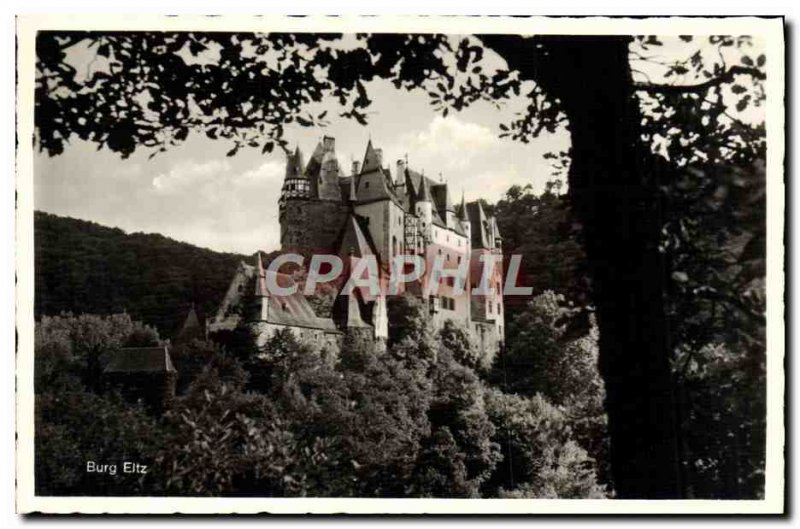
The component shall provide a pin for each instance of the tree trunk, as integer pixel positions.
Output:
(613, 189)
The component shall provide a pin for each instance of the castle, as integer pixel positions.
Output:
(376, 211)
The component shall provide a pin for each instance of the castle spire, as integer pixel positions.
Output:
(462, 212)
(372, 159)
(353, 197)
(294, 164)
(424, 193)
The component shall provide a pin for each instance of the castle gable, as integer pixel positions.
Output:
(356, 239)
(293, 310)
(480, 226)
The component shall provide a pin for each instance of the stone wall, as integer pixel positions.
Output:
(325, 342)
(312, 226)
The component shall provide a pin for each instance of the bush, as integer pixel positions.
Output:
(541, 459)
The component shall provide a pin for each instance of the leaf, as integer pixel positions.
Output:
(738, 89)
(686, 38)
(680, 277)
(761, 61)
(104, 50)
(195, 48)
(747, 60)
(742, 104)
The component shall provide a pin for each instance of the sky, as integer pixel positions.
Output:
(195, 193)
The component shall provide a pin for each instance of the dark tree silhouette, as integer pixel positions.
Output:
(152, 89)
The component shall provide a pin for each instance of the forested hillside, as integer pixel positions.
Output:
(83, 267)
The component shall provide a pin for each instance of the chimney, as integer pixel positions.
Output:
(328, 143)
(379, 155)
(401, 168)
(356, 168)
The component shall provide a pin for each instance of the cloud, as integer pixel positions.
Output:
(216, 174)
(450, 143)
(189, 173)
(213, 204)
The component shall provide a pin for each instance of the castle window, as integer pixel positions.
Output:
(459, 259)
(498, 308)
(366, 185)
(490, 308)
(448, 257)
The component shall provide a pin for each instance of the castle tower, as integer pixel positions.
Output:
(311, 209)
(296, 190)
(295, 183)
(424, 206)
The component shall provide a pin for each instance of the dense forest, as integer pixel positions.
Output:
(665, 245)
(425, 418)
(418, 420)
(83, 267)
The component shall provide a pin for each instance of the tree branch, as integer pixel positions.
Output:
(727, 77)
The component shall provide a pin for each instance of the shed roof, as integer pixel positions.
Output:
(140, 360)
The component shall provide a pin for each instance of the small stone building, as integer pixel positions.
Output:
(142, 374)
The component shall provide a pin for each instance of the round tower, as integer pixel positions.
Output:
(424, 207)
(295, 194)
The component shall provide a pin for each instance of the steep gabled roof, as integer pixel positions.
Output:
(480, 225)
(356, 239)
(293, 310)
(373, 186)
(140, 360)
(191, 329)
(372, 161)
(441, 198)
(315, 162)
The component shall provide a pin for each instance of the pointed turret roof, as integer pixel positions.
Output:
(424, 194)
(353, 196)
(294, 164)
(191, 328)
(372, 161)
(315, 162)
(462, 208)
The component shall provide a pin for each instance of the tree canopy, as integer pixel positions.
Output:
(641, 146)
